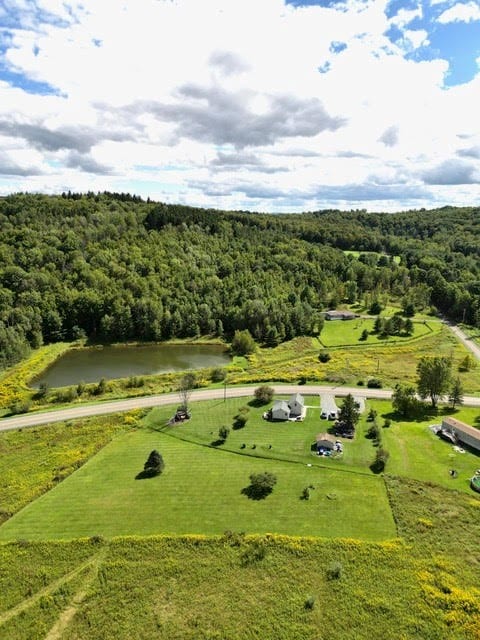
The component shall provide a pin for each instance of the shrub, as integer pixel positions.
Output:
(372, 414)
(255, 552)
(381, 458)
(21, 406)
(305, 494)
(100, 388)
(334, 571)
(364, 335)
(218, 374)
(309, 603)
(324, 356)
(264, 394)
(387, 423)
(243, 343)
(261, 485)
(239, 421)
(153, 466)
(223, 433)
(374, 383)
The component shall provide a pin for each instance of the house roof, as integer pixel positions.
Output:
(297, 397)
(461, 427)
(282, 405)
(339, 313)
(325, 436)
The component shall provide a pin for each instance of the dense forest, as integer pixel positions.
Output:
(113, 267)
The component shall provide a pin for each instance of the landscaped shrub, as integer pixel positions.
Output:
(381, 458)
(374, 383)
(264, 394)
(239, 421)
(153, 466)
(223, 433)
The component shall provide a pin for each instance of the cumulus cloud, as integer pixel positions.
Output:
(234, 119)
(212, 114)
(228, 62)
(390, 136)
(9, 167)
(452, 172)
(460, 12)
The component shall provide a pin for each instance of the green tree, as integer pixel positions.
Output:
(261, 485)
(243, 343)
(154, 464)
(264, 394)
(434, 375)
(185, 387)
(456, 393)
(408, 326)
(349, 413)
(404, 400)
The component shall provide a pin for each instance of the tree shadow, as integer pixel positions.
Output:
(255, 402)
(256, 493)
(146, 474)
(217, 442)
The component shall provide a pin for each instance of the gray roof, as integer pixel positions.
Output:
(297, 397)
(281, 404)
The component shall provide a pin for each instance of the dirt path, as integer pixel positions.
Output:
(51, 588)
(67, 615)
(464, 339)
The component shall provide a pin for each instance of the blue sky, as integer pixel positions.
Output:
(278, 105)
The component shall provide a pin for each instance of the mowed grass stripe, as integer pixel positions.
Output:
(200, 492)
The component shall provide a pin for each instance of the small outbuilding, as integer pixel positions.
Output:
(459, 432)
(280, 410)
(325, 442)
(336, 314)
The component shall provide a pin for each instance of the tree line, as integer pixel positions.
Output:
(113, 267)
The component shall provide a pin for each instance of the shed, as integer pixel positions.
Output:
(336, 314)
(325, 442)
(463, 433)
(280, 410)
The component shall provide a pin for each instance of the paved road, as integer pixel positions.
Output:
(114, 406)
(465, 340)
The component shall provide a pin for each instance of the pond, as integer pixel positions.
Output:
(92, 364)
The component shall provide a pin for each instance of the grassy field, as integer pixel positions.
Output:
(340, 333)
(200, 491)
(245, 588)
(33, 461)
(415, 452)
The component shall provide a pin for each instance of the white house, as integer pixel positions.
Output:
(280, 410)
(297, 405)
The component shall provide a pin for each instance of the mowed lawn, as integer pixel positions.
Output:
(200, 491)
(416, 452)
(339, 333)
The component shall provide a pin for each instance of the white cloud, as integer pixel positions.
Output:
(461, 12)
(220, 103)
(405, 16)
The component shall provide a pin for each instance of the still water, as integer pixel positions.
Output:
(90, 365)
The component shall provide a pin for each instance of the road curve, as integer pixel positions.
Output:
(464, 339)
(129, 404)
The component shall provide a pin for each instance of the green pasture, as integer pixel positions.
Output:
(342, 333)
(200, 491)
(416, 452)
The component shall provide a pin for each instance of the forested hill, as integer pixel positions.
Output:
(113, 267)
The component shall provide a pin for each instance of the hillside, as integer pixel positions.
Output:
(113, 268)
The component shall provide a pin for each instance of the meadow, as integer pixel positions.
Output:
(249, 587)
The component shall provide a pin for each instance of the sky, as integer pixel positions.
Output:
(260, 105)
